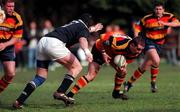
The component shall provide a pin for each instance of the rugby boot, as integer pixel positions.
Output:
(64, 98)
(153, 87)
(127, 86)
(119, 95)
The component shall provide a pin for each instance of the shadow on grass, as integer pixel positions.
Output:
(34, 106)
(5, 106)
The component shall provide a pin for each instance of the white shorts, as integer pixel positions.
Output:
(51, 49)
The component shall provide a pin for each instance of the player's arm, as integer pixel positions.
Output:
(137, 28)
(105, 46)
(119, 69)
(84, 45)
(96, 27)
(171, 24)
(8, 43)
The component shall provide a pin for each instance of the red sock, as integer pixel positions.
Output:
(118, 81)
(4, 82)
(80, 84)
(137, 74)
(154, 72)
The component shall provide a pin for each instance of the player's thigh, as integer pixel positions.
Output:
(70, 62)
(9, 67)
(153, 55)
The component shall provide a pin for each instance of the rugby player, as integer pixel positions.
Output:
(11, 30)
(153, 28)
(103, 51)
(54, 46)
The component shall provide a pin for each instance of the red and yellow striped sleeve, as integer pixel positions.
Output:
(18, 31)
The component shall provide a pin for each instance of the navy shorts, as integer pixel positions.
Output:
(97, 56)
(150, 44)
(8, 54)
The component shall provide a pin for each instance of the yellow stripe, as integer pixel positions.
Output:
(154, 37)
(20, 22)
(119, 47)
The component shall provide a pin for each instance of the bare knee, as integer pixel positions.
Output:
(156, 62)
(10, 73)
(91, 76)
(75, 70)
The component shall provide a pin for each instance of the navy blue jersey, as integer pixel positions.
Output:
(70, 33)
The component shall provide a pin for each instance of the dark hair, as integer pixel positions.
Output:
(87, 19)
(138, 41)
(158, 3)
(5, 1)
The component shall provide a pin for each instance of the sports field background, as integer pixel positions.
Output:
(96, 97)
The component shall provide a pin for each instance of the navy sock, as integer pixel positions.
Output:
(30, 87)
(66, 83)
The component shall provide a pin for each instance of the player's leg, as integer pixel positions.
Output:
(74, 68)
(43, 61)
(118, 81)
(138, 72)
(39, 79)
(7, 58)
(93, 69)
(85, 79)
(154, 68)
(9, 73)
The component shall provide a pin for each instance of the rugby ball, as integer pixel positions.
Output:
(2, 16)
(120, 60)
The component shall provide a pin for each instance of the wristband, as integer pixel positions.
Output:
(87, 51)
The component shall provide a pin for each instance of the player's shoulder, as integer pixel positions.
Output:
(168, 14)
(18, 18)
(17, 15)
(147, 16)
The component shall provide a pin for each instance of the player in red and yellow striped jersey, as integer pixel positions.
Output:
(104, 50)
(153, 28)
(10, 32)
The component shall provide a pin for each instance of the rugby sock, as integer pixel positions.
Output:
(118, 81)
(66, 83)
(137, 74)
(80, 84)
(4, 82)
(30, 87)
(154, 72)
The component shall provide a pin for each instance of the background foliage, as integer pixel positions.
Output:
(121, 12)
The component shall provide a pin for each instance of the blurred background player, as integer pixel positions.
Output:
(54, 46)
(10, 32)
(104, 51)
(153, 31)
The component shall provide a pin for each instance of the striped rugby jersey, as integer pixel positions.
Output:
(12, 27)
(117, 44)
(151, 29)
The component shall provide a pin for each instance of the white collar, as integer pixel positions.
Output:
(83, 23)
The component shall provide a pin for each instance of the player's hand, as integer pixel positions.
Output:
(88, 55)
(106, 58)
(162, 23)
(2, 46)
(96, 28)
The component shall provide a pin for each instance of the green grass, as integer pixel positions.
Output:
(96, 97)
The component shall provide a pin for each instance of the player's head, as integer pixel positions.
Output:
(158, 9)
(137, 45)
(87, 19)
(9, 6)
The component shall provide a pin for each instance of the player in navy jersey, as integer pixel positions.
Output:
(54, 46)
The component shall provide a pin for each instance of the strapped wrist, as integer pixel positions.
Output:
(87, 51)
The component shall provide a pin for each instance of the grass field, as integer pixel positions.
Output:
(96, 97)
